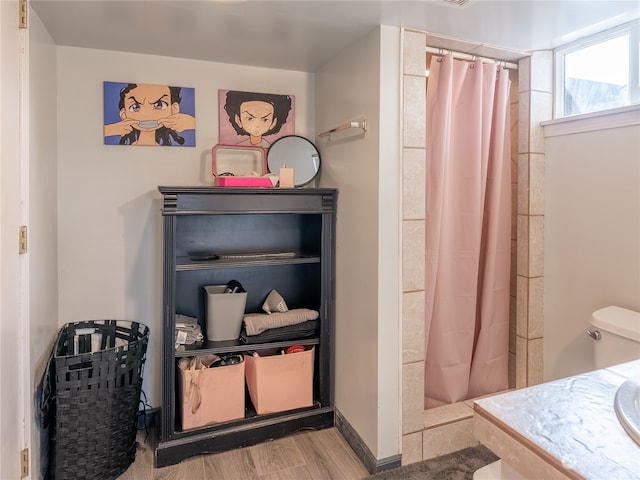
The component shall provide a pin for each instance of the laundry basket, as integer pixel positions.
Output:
(95, 379)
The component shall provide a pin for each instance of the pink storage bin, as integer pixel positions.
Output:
(280, 382)
(210, 395)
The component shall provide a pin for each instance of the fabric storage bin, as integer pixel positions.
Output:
(91, 398)
(225, 312)
(210, 395)
(280, 382)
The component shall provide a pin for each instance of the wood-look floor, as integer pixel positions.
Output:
(317, 455)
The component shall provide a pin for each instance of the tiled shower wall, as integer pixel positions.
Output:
(535, 106)
(527, 160)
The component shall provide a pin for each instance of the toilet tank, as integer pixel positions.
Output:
(616, 336)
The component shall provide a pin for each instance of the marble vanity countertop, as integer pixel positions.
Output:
(562, 429)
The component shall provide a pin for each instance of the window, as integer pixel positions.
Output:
(599, 72)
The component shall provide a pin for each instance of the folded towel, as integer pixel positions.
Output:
(187, 330)
(298, 331)
(259, 322)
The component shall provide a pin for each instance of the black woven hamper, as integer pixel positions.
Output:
(97, 378)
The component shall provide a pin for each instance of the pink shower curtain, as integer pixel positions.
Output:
(468, 230)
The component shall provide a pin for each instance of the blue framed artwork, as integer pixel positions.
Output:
(146, 114)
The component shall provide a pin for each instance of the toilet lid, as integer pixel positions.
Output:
(619, 321)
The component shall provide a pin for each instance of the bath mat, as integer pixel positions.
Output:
(458, 465)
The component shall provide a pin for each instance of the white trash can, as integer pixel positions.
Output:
(225, 312)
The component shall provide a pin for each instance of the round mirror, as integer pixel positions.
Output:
(294, 152)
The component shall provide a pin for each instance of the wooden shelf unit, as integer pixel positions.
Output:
(203, 221)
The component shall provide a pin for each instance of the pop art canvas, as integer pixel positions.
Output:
(254, 119)
(146, 114)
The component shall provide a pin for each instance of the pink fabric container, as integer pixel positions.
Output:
(280, 382)
(211, 395)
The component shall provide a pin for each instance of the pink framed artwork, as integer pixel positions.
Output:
(254, 119)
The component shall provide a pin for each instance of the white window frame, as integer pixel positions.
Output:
(632, 29)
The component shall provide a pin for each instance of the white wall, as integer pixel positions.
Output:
(592, 239)
(12, 343)
(389, 252)
(365, 169)
(43, 218)
(109, 222)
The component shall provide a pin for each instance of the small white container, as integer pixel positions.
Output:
(225, 312)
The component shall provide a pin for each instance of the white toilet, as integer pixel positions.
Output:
(616, 336)
(616, 339)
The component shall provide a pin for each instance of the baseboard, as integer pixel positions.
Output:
(369, 460)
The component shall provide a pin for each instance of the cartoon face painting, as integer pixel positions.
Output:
(255, 116)
(150, 115)
(147, 104)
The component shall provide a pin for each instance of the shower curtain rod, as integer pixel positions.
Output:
(468, 56)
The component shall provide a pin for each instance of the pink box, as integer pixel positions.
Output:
(238, 160)
(242, 182)
(280, 382)
(211, 395)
